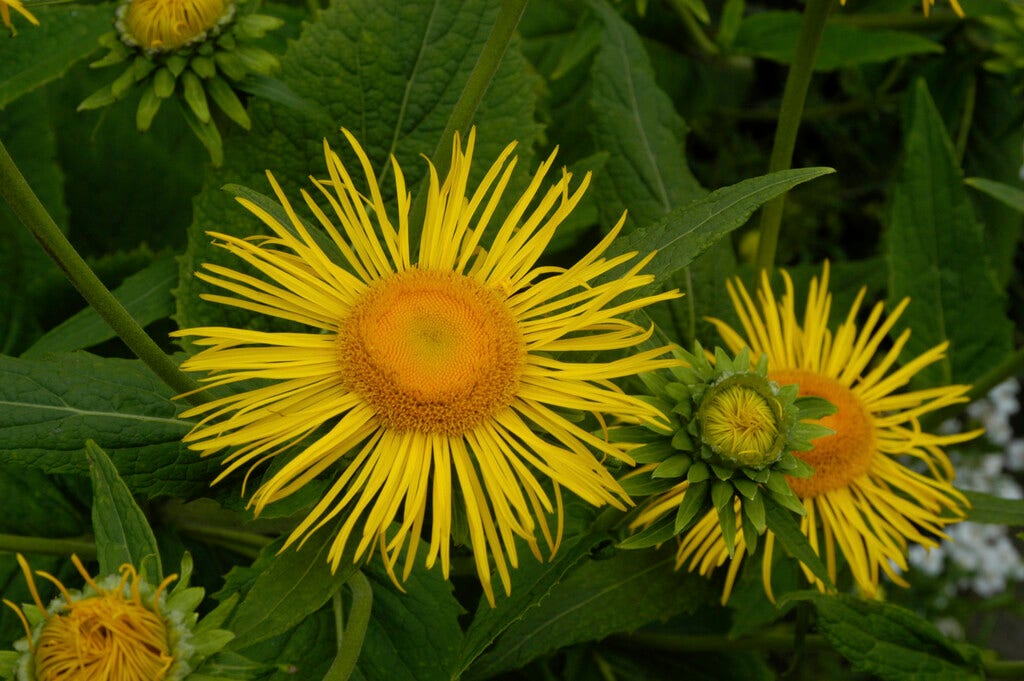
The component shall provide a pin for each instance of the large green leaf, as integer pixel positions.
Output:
(888, 641)
(937, 257)
(1004, 193)
(687, 231)
(49, 408)
(122, 532)
(602, 597)
(146, 295)
(39, 54)
(412, 636)
(988, 508)
(773, 35)
(388, 72)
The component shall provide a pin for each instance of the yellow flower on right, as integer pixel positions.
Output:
(862, 500)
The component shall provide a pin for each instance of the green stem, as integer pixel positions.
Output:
(85, 547)
(793, 97)
(26, 205)
(1004, 669)
(1011, 366)
(350, 642)
(472, 94)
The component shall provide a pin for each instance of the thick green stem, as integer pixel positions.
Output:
(350, 641)
(26, 205)
(84, 547)
(793, 97)
(472, 94)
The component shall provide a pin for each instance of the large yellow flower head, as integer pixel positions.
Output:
(5, 14)
(429, 384)
(112, 630)
(170, 24)
(862, 501)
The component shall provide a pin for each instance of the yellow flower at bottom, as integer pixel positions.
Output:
(170, 24)
(5, 13)
(861, 501)
(109, 632)
(428, 386)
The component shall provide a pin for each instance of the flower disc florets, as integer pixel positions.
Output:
(117, 628)
(729, 445)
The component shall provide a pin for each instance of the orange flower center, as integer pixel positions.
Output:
(103, 637)
(839, 458)
(432, 352)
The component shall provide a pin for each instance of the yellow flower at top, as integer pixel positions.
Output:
(5, 14)
(108, 632)
(432, 382)
(169, 24)
(862, 502)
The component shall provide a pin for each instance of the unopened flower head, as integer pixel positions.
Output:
(438, 374)
(861, 503)
(164, 25)
(729, 445)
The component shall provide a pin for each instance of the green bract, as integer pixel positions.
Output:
(729, 445)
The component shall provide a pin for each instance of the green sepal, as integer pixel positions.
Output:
(101, 98)
(691, 505)
(698, 472)
(195, 96)
(789, 501)
(163, 83)
(211, 641)
(788, 534)
(645, 485)
(256, 25)
(149, 104)
(115, 55)
(227, 41)
(123, 83)
(142, 67)
(228, 101)
(658, 533)
(682, 441)
(655, 452)
(748, 488)
(673, 467)
(203, 66)
(814, 407)
(186, 600)
(751, 535)
(8, 663)
(760, 475)
(208, 134)
(753, 511)
(684, 409)
(230, 64)
(721, 494)
(218, 616)
(205, 48)
(111, 40)
(665, 408)
(721, 472)
(176, 64)
(727, 519)
(677, 391)
(635, 435)
(723, 362)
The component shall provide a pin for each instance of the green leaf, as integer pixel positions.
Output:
(692, 504)
(390, 75)
(988, 508)
(773, 35)
(65, 35)
(780, 521)
(412, 636)
(531, 582)
(146, 295)
(602, 597)
(688, 231)
(49, 408)
(661, 531)
(122, 532)
(1010, 196)
(937, 257)
(636, 123)
(290, 586)
(888, 641)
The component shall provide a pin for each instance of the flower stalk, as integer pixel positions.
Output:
(26, 205)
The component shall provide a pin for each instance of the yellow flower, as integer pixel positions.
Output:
(430, 380)
(169, 24)
(861, 501)
(113, 630)
(5, 14)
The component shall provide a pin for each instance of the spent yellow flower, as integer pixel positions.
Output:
(430, 383)
(862, 502)
(170, 24)
(5, 14)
